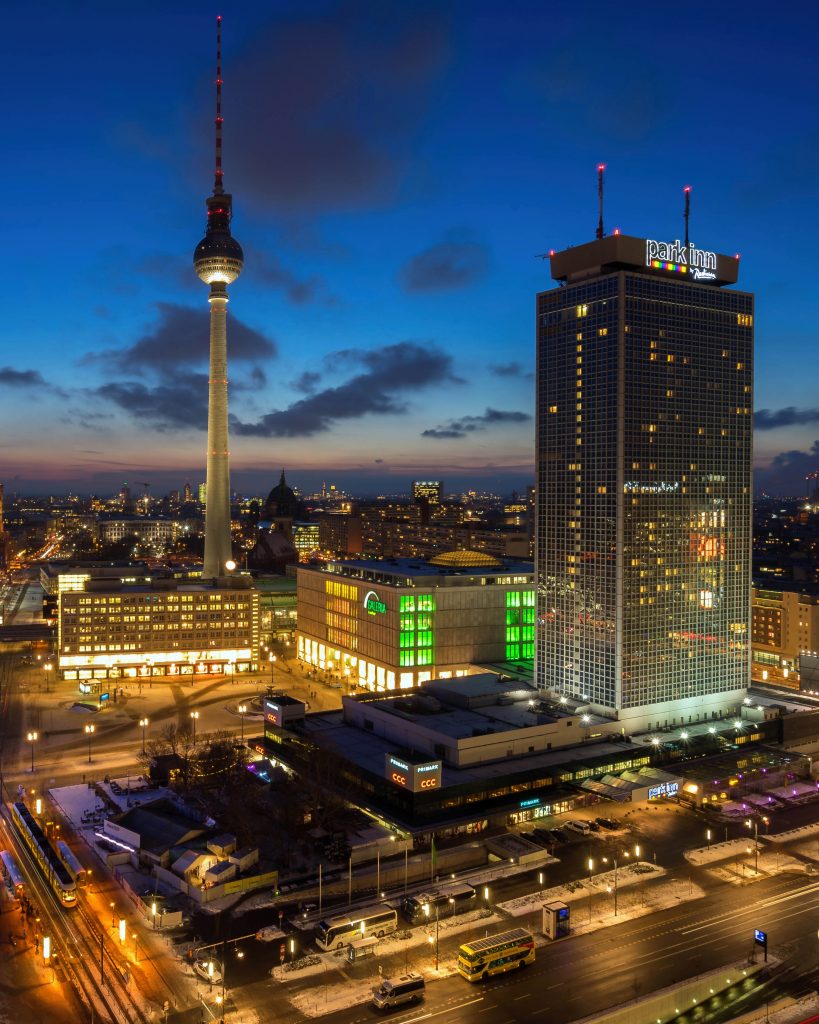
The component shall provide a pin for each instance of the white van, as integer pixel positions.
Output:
(409, 988)
(582, 827)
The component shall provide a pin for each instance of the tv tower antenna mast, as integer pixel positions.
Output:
(600, 169)
(218, 261)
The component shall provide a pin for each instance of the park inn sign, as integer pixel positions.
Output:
(681, 257)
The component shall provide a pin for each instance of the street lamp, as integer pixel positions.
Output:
(708, 837)
(89, 732)
(194, 719)
(243, 712)
(590, 866)
(32, 739)
(748, 824)
(47, 668)
(272, 659)
(143, 723)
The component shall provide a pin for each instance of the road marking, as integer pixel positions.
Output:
(527, 996)
(449, 1009)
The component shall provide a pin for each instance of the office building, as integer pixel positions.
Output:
(644, 432)
(385, 625)
(785, 636)
(429, 491)
(116, 630)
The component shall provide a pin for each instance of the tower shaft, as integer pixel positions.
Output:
(217, 509)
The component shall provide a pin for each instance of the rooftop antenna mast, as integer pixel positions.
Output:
(687, 191)
(217, 185)
(600, 169)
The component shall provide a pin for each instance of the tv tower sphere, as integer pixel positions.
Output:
(218, 257)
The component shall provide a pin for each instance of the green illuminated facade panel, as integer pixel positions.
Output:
(520, 624)
(417, 640)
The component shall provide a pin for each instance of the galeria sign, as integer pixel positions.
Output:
(373, 604)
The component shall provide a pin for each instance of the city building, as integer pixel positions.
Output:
(429, 491)
(160, 533)
(784, 634)
(218, 261)
(112, 629)
(386, 625)
(644, 433)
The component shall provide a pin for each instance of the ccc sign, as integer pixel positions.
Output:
(400, 779)
(429, 783)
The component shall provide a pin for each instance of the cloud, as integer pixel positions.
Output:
(325, 107)
(790, 416)
(386, 374)
(511, 370)
(447, 265)
(306, 382)
(299, 290)
(786, 472)
(469, 424)
(11, 378)
(165, 406)
(180, 340)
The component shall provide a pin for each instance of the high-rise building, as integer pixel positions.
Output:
(427, 490)
(218, 261)
(644, 433)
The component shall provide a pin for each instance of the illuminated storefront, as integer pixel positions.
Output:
(386, 625)
(110, 631)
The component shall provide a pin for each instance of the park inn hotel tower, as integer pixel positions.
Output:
(644, 434)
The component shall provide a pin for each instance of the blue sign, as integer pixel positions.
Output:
(104, 696)
(532, 802)
(760, 937)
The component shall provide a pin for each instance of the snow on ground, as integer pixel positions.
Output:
(582, 888)
(720, 851)
(742, 868)
(794, 833)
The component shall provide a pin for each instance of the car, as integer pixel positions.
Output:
(579, 826)
(607, 823)
(564, 835)
(593, 826)
(555, 835)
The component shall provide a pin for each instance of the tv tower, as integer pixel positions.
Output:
(218, 261)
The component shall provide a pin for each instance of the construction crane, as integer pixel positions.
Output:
(146, 485)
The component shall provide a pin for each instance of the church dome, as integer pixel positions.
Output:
(281, 502)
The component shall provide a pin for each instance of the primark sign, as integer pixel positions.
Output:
(681, 258)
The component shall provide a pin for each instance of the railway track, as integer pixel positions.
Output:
(98, 976)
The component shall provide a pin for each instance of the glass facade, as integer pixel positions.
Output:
(644, 424)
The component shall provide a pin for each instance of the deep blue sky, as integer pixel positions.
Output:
(396, 169)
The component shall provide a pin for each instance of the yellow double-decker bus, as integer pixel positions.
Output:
(495, 954)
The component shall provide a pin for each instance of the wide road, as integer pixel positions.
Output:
(579, 976)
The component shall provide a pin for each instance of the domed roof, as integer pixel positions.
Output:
(281, 502)
(465, 560)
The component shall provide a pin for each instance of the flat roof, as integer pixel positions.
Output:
(367, 750)
(410, 568)
(668, 259)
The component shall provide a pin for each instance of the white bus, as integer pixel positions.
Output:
(336, 932)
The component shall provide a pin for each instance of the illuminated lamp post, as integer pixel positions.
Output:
(143, 723)
(194, 719)
(32, 739)
(243, 712)
(89, 732)
(47, 668)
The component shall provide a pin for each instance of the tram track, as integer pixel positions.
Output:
(79, 947)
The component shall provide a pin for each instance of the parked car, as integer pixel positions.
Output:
(607, 823)
(581, 827)
(555, 835)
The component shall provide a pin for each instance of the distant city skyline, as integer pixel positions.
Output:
(397, 171)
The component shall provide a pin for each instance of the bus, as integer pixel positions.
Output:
(336, 932)
(442, 901)
(14, 880)
(496, 954)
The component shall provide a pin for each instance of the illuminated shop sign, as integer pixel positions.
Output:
(373, 604)
(664, 789)
(417, 777)
(532, 802)
(681, 259)
(658, 487)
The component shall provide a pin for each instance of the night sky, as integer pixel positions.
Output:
(396, 170)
